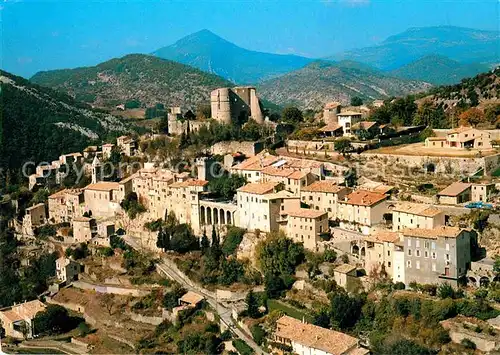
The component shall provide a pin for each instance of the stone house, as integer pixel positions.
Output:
(106, 150)
(259, 206)
(12, 319)
(67, 269)
(344, 274)
(305, 338)
(35, 217)
(436, 255)
(65, 204)
(383, 252)
(482, 191)
(361, 210)
(102, 198)
(366, 129)
(324, 196)
(127, 145)
(416, 215)
(332, 129)
(251, 168)
(293, 179)
(456, 193)
(305, 226)
(84, 229)
(461, 138)
(347, 119)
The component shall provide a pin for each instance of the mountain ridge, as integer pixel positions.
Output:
(209, 52)
(140, 77)
(324, 81)
(465, 45)
(438, 70)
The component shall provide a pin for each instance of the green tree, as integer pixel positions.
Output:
(232, 240)
(252, 305)
(279, 255)
(205, 243)
(356, 101)
(343, 145)
(445, 290)
(53, 320)
(183, 240)
(292, 115)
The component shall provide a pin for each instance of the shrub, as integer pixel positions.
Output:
(468, 344)
(242, 347)
(232, 240)
(258, 334)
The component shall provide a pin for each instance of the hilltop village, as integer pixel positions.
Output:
(328, 244)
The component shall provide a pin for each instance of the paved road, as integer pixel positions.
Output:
(223, 311)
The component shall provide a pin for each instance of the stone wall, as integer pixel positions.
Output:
(442, 165)
(249, 149)
(145, 319)
(124, 291)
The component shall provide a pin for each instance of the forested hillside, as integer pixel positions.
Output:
(475, 101)
(323, 81)
(136, 77)
(39, 124)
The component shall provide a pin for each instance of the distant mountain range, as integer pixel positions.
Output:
(324, 81)
(39, 123)
(438, 70)
(474, 50)
(207, 51)
(464, 45)
(140, 77)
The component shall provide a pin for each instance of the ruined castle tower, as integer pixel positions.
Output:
(228, 105)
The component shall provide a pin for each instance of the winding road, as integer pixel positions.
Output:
(221, 309)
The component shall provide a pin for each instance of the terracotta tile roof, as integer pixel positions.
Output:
(297, 175)
(323, 186)
(82, 219)
(455, 189)
(345, 268)
(35, 206)
(189, 183)
(331, 127)
(383, 236)
(301, 163)
(108, 145)
(11, 316)
(375, 186)
(366, 125)
(460, 129)
(312, 336)
(436, 138)
(349, 113)
(256, 163)
(58, 194)
(418, 209)
(192, 298)
(103, 186)
(306, 213)
(364, 198)
(273, 171)
(332, 104)
(443, 231)
(259, 188)
(29, 309)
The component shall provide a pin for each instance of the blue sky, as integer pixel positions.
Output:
(42, 35)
